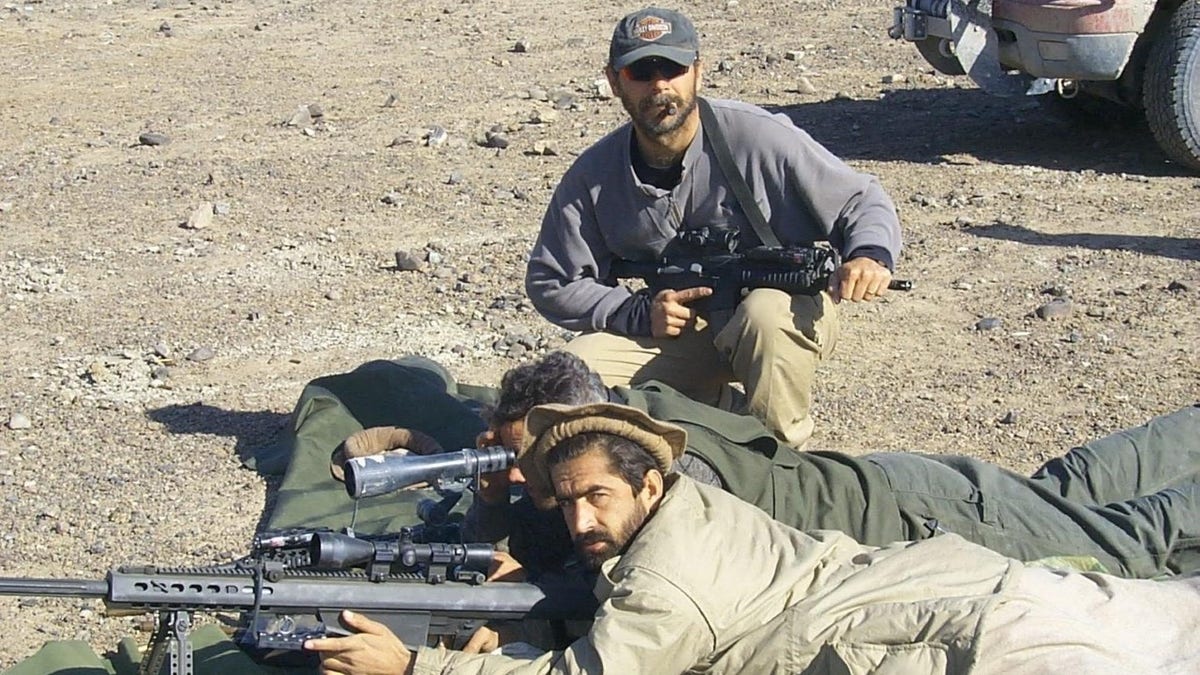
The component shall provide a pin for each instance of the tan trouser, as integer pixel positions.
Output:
(1091, 623)
(771, 344)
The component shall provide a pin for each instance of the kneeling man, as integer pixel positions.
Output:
(694, 579)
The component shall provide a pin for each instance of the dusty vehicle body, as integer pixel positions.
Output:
(1143, 55)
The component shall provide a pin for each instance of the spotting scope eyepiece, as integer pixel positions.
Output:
(380, 474)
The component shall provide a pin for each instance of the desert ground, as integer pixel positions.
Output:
(201, 205)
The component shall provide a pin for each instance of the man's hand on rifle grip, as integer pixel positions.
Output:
(669, 313)
(859, 279)
(372, 650)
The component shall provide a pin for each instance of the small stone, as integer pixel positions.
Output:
(544, 116)
(221, 208)
(434, 258)
(334, 295)
(201, 217)
(987, 323)
(1010, 417)
(153, 138)
(18, 421)
(392, 199)
(165, 29)
(894, 78)
(390, 101)
(201, 354)
(301, 117)
(407, 262)
(805, 86)
(522, 47)
(436, 136)
(454, 178)
(1057, 308)
(316, 111)
(1181, 286)
(544, 148)
(5, 207)
(793, 54)
(601, 89)
(161, 349)
(496, 139)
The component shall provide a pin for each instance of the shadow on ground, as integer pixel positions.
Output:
(1166, 247)
(924, 125)
(252, 431)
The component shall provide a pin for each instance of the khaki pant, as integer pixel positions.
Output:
(771, 343)
(1055, 623)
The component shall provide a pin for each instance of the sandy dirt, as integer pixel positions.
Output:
(163, 305)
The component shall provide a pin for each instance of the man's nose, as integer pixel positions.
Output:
(582, 519)
(515, 477)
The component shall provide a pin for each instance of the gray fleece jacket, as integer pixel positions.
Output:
(601, 212)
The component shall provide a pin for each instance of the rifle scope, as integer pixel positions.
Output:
(380, 474)
(333, 551)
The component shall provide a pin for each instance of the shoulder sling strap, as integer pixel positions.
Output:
(734, 177)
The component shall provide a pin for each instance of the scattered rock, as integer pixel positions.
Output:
(1057, 308)
(987, 323)
(436, 136)
(200, 355)
(300, 117)
(1181, 286)
(407, 262)
(18, 421)
(392, 199)
(1010, 417)
(153, 138)
(522, 47)
(201, 217)
(805, 86)
(601, 89)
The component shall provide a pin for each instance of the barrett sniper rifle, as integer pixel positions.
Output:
(710, 257)
(422, 592)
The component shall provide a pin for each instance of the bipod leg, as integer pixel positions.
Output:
(170, 640)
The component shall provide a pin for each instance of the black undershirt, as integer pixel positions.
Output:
(663, 179)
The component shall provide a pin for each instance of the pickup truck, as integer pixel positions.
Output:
(1140, 55)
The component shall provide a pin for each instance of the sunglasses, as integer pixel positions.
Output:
(653, 68)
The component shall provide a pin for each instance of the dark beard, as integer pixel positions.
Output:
(617, 541)
(590, 560)
(645, 115)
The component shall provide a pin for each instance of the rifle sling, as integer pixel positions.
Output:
(734, 177)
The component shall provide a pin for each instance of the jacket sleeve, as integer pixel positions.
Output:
(853, 205)
(568, 266)
(647, 625)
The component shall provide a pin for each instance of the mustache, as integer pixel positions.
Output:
(649, 103)
(589, 538)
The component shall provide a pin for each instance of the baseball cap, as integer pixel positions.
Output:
(654, 32)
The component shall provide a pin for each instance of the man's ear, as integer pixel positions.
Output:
(652, 488)
(612, 76)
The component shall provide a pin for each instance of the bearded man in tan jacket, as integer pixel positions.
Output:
(693, 579)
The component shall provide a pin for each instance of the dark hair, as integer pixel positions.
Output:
(559, 377)
(626, 458)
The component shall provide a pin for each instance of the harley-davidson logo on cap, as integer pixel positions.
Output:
(651, 28)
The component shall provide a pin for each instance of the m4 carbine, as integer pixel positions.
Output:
(793, 269)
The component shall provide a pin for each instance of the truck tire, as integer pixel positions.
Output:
(1171, 88)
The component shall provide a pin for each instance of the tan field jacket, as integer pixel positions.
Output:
(713, 585)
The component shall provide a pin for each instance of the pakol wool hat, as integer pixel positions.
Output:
(548, 425)
(654, 32)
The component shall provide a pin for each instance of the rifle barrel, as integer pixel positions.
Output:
(67, 588)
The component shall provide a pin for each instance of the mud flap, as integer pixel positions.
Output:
(978, 50)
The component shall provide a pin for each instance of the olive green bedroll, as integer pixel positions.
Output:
(411, 392)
